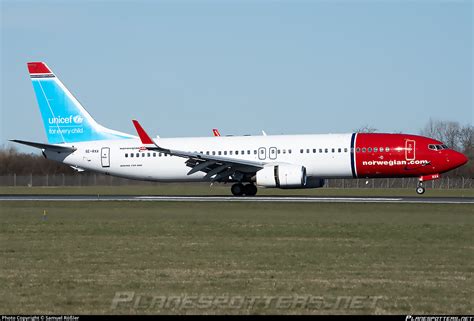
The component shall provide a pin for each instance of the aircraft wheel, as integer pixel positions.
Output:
(250, 190)
(237, 189)
(420, 190)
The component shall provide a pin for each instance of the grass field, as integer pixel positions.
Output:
(414, 258)
(222, 189)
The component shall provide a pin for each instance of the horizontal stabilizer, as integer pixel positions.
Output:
(55, 148)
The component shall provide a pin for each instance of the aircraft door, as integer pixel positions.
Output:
(262, 153)
(410, 149)
(105, 156)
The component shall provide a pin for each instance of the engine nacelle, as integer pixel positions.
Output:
(282, 176)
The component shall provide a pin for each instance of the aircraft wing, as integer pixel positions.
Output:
(217, 168)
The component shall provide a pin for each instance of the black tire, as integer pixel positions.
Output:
(420, 190)
(250, 190)
(237, 189)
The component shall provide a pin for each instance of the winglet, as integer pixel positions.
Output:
(146, 140)
(216, 133)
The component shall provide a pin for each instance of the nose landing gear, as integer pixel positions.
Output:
(240, 189)
(420, 189)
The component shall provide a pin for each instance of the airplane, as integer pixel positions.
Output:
(273, 161)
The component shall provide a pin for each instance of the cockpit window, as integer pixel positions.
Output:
(437, 147)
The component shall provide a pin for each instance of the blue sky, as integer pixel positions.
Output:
(185, 67)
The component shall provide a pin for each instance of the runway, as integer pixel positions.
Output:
(281, 199)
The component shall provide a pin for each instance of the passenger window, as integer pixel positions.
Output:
(236, 152)
(154, 154)
(321, 150)
(219, 153)
(375, 149)
(387, 149)
(358, 150)
(369, 149)
(248, 152)
(345, 150)
(289, 151)
(230, 152)
(301, 151)
(284, 151)
(363, 150)
(148, 155)
(333, 150)
(272, 151)
(131, 155)
(225, 152)
(138, 155)
(314, 150)
(381, 149)
(325, 150)
(213, 153)
(126, 154)
(339, 150)
(207, 152)
(279, 151)
(243, 153)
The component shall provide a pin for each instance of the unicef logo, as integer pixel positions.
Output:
(78, 119)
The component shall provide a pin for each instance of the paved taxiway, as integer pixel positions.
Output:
(287, 199)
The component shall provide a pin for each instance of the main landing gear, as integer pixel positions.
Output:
(420, 189)
(240, 189)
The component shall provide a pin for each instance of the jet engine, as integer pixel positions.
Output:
(282, 176)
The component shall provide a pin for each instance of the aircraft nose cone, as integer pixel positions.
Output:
(459, 159)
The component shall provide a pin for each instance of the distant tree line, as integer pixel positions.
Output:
(14, 162)
(456, 136)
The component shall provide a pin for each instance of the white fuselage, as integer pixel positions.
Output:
(324, 156)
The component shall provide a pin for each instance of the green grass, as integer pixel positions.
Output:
(417, 257)
(223, 189)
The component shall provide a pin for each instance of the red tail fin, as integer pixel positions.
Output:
(146, 140)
